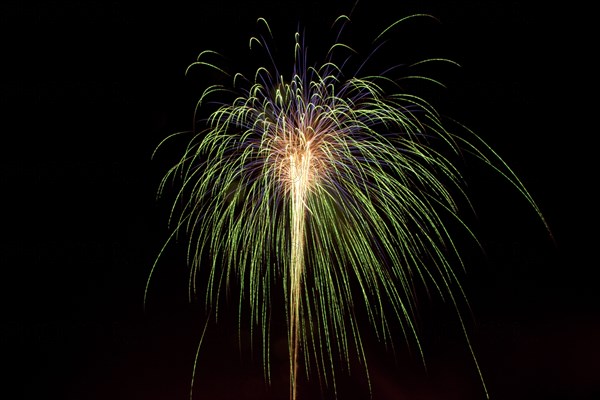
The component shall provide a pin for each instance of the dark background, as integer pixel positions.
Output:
(88, 89)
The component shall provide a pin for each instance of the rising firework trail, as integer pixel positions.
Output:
(334, 185)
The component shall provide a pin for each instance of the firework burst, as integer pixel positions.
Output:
(336, 188)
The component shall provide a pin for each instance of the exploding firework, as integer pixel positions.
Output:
(336, 188)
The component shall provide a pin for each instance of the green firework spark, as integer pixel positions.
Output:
(337, 189)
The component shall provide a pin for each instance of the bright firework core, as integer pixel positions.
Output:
(296, 146)
(298, 169)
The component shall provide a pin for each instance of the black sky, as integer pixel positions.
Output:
(89, 89)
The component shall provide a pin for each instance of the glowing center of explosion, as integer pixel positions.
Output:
(300, 171)
(297, 163)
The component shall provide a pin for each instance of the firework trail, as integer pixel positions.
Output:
(337, 188)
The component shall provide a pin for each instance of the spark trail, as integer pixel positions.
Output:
(299, 165)
(299, 176)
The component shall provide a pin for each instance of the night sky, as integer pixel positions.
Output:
(89, 89)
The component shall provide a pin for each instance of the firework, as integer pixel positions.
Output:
(336, 188)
